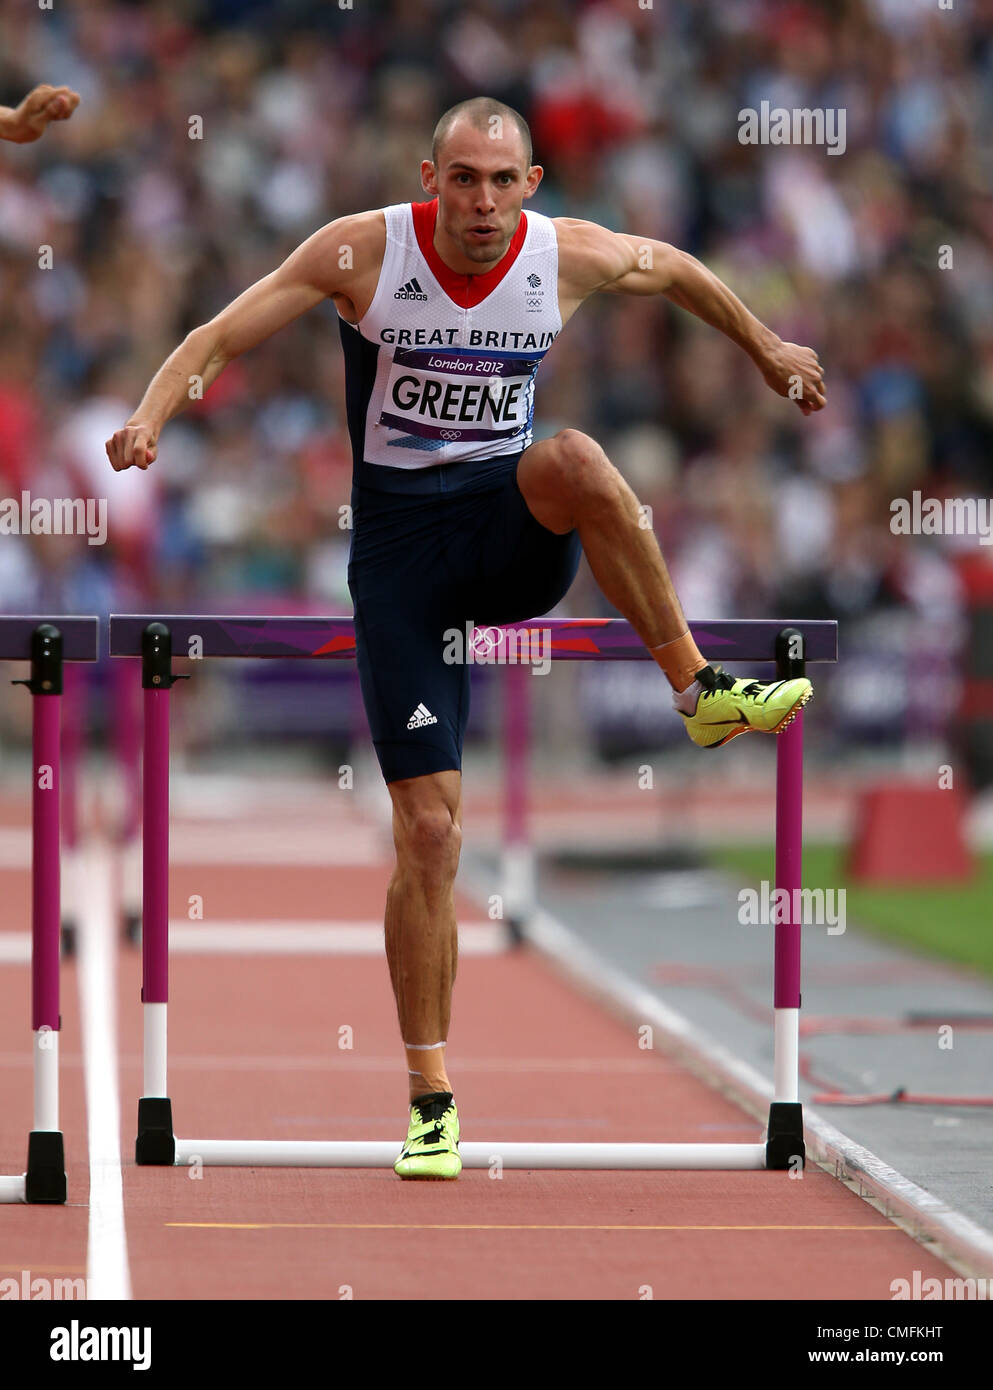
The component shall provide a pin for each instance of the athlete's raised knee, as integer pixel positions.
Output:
(585, 474)
(576, 450)
(564, 477)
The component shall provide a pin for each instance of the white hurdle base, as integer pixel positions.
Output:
(275, 1153)
(13, 1189)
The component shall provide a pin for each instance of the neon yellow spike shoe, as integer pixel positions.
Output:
(727, 707)
(432, 1147)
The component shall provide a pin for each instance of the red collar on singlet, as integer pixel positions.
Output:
(465, 290)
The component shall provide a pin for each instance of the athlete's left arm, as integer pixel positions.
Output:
(591, 258)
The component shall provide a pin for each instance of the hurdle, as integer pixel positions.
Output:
(47, 643)
(517, 864)
(155, 638)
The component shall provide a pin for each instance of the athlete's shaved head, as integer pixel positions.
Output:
(488, 115)
(480, 171)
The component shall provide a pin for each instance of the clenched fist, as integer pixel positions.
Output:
(134, 446)
(796, 372)
(44, 104)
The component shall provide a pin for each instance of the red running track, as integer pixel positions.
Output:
(254, 1053)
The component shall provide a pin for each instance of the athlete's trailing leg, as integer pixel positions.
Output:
(422, 950)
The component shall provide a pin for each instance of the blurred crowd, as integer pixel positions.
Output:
(881, 258)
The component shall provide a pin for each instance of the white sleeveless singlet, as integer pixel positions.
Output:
(441, 368)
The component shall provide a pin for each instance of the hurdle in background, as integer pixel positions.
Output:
(46, 643)
(789, 645)
(517, 867)
(518, 871)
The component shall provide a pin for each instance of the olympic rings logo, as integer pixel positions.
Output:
(451, 434)
(486, 640)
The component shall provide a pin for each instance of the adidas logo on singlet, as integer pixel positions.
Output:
(411, 290)
(421, 716)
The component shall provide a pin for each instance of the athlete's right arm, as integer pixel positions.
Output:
(334, 263)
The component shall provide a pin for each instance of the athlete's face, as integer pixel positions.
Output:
(481, 183)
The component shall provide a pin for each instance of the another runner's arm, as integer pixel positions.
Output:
(327, 265)
(40, 107)
(591, 258)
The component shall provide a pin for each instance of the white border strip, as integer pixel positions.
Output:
(281, 938)
(108, 1276)
(927, 1216)
(288, 1153)
(13, 1189)
(15, 948)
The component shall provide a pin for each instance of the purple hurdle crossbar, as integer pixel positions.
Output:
(47, 643)
(154, 638)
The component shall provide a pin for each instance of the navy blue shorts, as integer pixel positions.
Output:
(425, 562)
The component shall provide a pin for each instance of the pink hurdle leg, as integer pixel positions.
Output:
(45, 1180)
(155, 1142)
(74, 689)
(785, 1144)
(127, 757)
(45, 888)
(517, 873)
(127, 746)
(789, 852)
(155, 861)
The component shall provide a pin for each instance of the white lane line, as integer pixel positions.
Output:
(585, 1066)
(15, 948)
(925, 1217)
(107, 1252)
(302, 845)
(15, 847)
(300, 842)
(279, 938)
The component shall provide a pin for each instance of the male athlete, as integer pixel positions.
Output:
(446, 310)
